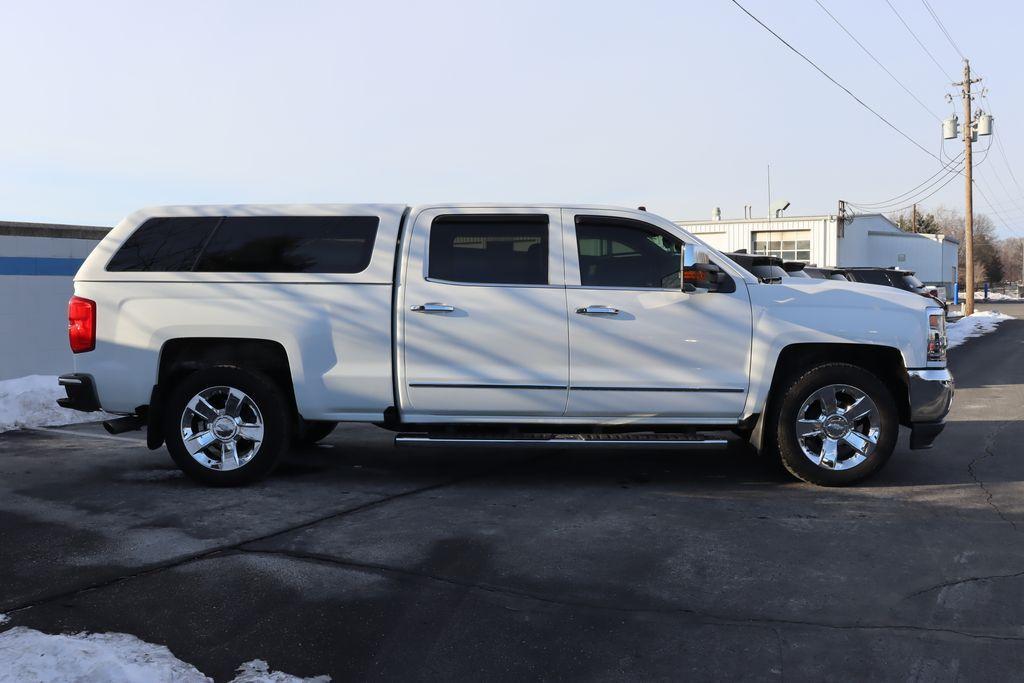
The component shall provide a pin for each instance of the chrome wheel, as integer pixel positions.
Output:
(222, 428)
(838, 427)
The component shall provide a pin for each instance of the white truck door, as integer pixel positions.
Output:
(482, 327)
(639, 347)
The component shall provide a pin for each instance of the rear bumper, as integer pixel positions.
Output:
(931, 393)
(81, 393)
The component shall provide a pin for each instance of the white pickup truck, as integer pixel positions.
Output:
(232, 332)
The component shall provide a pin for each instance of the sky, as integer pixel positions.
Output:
(678, 106)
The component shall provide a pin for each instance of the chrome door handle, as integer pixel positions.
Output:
(433, 308)
(598, 310)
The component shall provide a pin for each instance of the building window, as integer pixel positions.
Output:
(789, 245)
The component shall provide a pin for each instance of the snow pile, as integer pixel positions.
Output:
(32, 402)
(4, 619)
(258, 671)
(28, 655)
(973, 325)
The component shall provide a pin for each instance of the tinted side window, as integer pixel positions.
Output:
(163, 244)
(489, 249)
(618, 252)
(291, 244)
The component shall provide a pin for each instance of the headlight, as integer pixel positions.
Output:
(936, 335)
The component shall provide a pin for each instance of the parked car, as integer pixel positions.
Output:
(795, 268)
(767, 269)
(895, 277)
(826, 273)
(232, 332)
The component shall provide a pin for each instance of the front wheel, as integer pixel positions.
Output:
(836, 425)
(226, 425)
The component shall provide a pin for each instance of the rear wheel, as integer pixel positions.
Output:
(226, 426)
(837, 424)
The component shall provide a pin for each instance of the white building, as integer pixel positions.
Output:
(38, 263)
(864, 240)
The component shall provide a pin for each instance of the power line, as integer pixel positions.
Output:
(999, 144)
(992, 208)
(948, 168)
(910, 200)
(876, 60)
(927, 52)
(835, 82)
(950, 179)
(1009, 194)
(950, 172)
(943, 28)
(1006, 160)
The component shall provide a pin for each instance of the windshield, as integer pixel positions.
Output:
(768, 273)
(798, 273)
(913, 283)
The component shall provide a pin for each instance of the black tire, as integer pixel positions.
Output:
(799, 390)
(272, 406)
(313, 431)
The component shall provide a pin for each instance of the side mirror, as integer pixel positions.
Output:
(692, 279)
(699, 277)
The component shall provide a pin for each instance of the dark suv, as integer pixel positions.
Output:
(894, 277)
(825, 273)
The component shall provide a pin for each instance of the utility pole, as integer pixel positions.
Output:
(913, 219)
(965, 87)
(841, 222)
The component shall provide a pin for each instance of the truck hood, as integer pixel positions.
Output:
(799, 311)
(860, 295)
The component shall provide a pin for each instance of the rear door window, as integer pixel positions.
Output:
(489, 249)
(290, 244)
(164, 245)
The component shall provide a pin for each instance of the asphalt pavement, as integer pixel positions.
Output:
(367, 562)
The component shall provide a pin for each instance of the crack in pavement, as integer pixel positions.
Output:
(969, 579)
(700, 615)
(782, 659)
(989, 453)
(186, 559)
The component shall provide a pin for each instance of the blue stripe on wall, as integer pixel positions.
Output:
(31, 265)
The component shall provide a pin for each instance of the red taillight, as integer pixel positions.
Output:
(81, 324)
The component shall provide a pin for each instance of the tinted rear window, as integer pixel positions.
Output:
(874, 277)
(163, 244)
(489, 249)
(291, 244)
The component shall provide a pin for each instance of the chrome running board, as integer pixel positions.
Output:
(560, 440)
